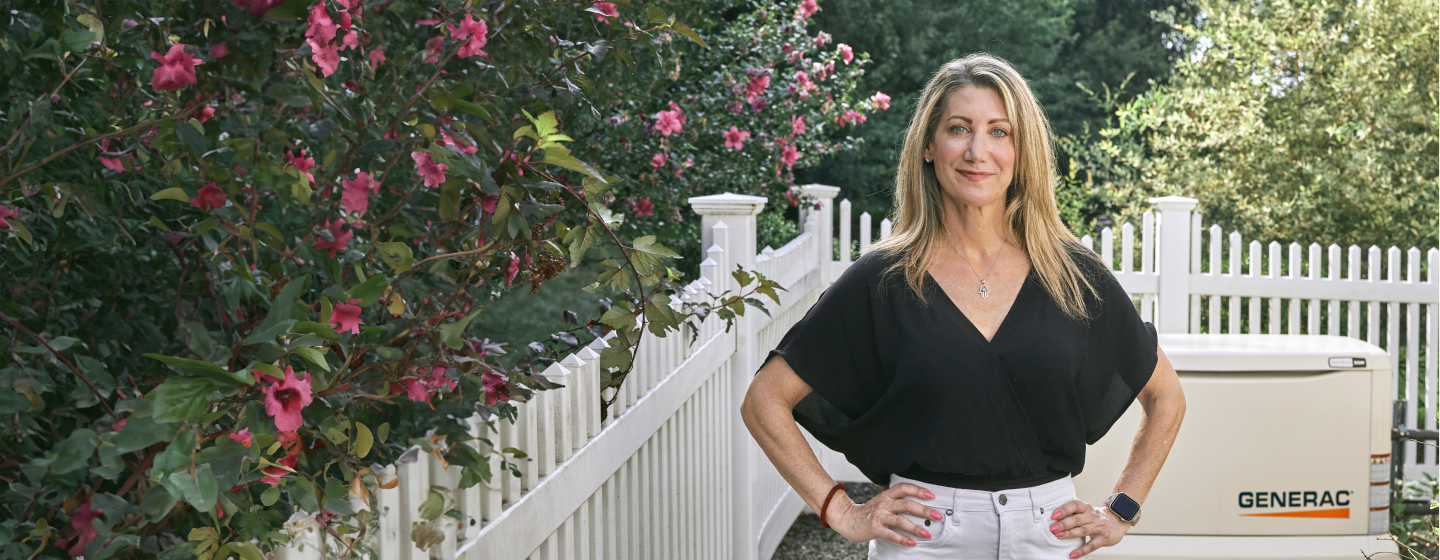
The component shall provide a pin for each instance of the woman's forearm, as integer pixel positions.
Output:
(767, 414)
(1163, 406)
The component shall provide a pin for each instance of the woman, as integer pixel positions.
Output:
(968, 359)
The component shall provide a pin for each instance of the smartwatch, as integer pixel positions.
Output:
(1125, 507)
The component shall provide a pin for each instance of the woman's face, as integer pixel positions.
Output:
(973, 149)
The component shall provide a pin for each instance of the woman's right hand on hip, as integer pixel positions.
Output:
(880, 517)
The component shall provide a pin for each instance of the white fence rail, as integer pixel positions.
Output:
(672, 473)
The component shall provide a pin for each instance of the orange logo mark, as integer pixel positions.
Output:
(1337, 513)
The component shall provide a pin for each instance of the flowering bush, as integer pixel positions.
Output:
(240, 272)
(738, 116)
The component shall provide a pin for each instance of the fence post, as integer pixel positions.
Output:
(827, 195)
(737, 212)
(1174, 263)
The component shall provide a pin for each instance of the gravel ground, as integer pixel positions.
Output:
(807, 540)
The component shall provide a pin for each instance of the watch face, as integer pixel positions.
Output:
(1125, 507)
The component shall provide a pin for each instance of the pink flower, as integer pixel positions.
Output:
(351, 40)
(322, 28)
(204, 114)
(293, 446)
(473, 33)
(667, 123)
(120, 425)
(609, 10)
(302, 164)
(797, 125)
(130, 24)
(5, 213)
(434, 47)
(735, 138)
(756, 87)
(822, 38)
(789, 156)
(803, 79)
(658, 161)
(377, 56)
(177, 68)
(355, 198)
(219, 50)
(496, 389)
(84, 523)
(807, 9)
(643, 207)
(513, 270)
(758, 104)
(209, 197)
(488, 203)
(324, 55)
(346, 317)
(243, 437)
(113, 164)
(881, 100)
(285, 399)
(434, 173)
(341, 238)
(846, 53)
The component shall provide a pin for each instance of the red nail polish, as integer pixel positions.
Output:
(935, 515)
(912, 543)
(929, 496)
(1055, 515)
(1061, 535)
(1055, 527)
(925, 533)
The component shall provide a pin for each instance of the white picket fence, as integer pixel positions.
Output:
(672, 472)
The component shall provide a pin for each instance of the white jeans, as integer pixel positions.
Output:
(1007, 525)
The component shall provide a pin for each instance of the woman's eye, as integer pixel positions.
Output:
(959, 129)
(999, 133)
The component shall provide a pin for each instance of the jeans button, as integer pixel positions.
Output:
(949, 512)
(1003, 499)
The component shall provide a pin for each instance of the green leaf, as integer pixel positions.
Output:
(369, 290)
(433, 506)
(686, 31)
(449, 206)
(157, 502)
(270, 496)
(77, 41)
(193, 136)
(453, 334)
(142, 432)
(473, 109)
(317, 329)
(269, 369)
(661, 317)
(198, 491)
(396, 254)
(172, 193)
(283, 313)
(302, 494)
(181, 398)
(363, 440)
(656, 14)
(74, 453)
(205, 369)
(556, 154)
(313, 356)
(247, 551)
(618, 317)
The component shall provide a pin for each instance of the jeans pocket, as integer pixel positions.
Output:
(937, 527)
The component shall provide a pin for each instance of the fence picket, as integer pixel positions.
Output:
(864, 232)
(1127, 248)
(1195, 269)
(1293, 326)
(1235, 268)
(1352, 307)
(1372, 331)
(1312, 306)
(1255, 272)
(1274, 271)
(1212, 302)
(1107, 248)
(1332, 323)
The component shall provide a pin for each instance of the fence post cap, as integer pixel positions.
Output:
(820, 191)
(728, 204)
(1174, 203)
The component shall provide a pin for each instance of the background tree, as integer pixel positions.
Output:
(1054, 43)
(1293, 120)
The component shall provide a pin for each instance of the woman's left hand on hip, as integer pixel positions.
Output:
(1079, 519)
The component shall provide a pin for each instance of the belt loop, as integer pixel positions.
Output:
(1035, 505)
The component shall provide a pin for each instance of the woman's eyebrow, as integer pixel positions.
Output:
(968, 119)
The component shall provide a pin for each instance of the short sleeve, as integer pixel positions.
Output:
(1119, 358)
(834, 350)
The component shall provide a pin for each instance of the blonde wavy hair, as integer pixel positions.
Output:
(1030, 209)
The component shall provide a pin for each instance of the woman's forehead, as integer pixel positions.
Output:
(975, 104)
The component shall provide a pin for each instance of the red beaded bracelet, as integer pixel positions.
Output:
(826, 505)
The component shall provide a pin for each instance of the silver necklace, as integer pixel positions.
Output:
(984, 290)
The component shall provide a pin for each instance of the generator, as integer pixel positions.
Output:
(1284, 452)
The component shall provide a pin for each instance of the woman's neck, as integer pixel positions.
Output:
(978, 231)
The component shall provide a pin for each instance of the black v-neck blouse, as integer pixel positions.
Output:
(913, 388)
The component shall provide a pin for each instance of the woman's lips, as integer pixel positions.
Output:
(976, 176)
